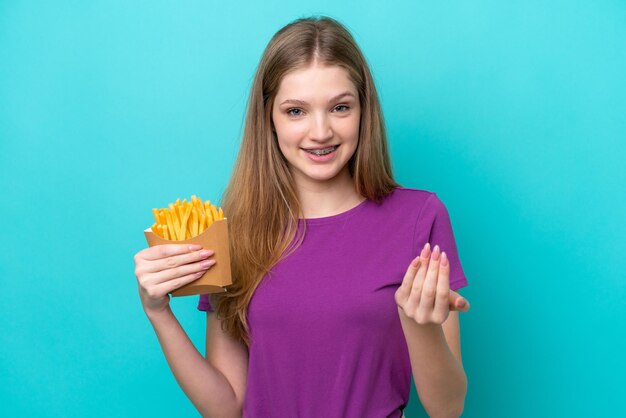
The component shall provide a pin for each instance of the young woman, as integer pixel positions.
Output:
(337, 296)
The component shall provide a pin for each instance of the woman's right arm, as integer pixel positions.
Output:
(160, 270)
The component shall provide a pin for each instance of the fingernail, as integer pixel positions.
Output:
(207, 263)
(426, 250)
(462, 304)
(436, 253)
(206, 253)
(444, 259)
(416, 261)
(195, 247)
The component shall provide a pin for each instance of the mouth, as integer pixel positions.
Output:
(321, 151)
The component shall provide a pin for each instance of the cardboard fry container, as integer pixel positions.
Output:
(213, 238)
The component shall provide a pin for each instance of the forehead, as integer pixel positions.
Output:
(315, 80)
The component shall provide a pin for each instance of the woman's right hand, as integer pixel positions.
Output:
(163, 268)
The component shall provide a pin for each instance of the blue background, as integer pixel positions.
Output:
(513, 112)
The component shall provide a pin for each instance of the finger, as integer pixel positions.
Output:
(177, 260)
(177, 272)
(442, 299)
(404, 290)
(463, 306)
(458, 302)
(429, 290)
(167, 250)
(416, 288)
(171, 285)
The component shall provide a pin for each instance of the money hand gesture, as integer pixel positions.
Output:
(425, 294)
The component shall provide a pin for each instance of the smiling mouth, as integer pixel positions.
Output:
(322, 151)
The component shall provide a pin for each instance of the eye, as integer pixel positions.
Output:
(291, 111)
(346, 107)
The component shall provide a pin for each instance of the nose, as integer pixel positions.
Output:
(321, 128)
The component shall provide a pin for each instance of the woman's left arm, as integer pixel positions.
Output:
(427, 309)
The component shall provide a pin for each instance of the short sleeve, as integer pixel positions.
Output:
(434, 226)
(204, 304)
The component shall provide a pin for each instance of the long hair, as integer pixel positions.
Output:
(260, 201)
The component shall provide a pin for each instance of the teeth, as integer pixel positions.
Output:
(320, 152)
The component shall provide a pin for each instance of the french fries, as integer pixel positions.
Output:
(184, 220)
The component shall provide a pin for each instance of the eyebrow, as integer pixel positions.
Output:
(332, 99)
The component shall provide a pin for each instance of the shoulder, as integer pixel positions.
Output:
(406, 204)
(411, 198)
(417, 204)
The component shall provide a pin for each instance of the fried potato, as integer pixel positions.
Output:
(186, 219)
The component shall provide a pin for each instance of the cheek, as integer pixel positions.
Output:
(290, 134)
(286, 139)
(350, 130)
(283, 146)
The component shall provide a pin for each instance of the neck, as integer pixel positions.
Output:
(321, 199)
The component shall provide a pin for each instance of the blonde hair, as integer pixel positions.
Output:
(260, 201)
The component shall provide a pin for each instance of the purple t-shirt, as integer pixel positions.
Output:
(326, 338)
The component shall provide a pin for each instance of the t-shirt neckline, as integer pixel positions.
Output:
(333, 218)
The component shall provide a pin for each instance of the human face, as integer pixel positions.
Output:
(315, 108)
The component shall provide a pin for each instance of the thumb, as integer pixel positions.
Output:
(458, 302)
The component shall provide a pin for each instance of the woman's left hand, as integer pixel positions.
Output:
(425, 294)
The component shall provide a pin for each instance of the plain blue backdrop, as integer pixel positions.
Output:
(512, 112)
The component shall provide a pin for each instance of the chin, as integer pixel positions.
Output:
(321, 176)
